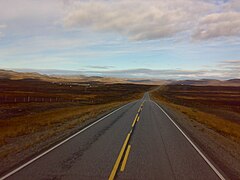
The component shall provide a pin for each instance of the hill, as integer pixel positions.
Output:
(208, 82)
(13, 75)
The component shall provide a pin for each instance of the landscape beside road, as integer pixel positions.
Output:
(29, 127)
(211, 116)
(120, 89)
(35, 115)
(138, 141)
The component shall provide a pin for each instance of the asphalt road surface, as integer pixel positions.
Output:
(137, 141)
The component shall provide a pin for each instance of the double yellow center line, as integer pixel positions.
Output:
(125, 148)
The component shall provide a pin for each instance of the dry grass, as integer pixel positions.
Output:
(26, 124)
(32, 123)
(41, 126)
(220, 124)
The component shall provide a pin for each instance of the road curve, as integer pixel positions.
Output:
(137, 141)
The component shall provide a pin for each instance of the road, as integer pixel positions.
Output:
(137, 141)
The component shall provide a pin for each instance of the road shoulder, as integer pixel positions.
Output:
(224, 152)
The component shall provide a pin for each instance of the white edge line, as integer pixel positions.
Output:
(195, 147)
(59, 144)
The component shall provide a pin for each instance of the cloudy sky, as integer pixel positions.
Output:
(177, 39)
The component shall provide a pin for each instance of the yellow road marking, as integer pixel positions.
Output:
(134, 120)
(116, 165)
(138, 118)
(125, 158)
(139, 110)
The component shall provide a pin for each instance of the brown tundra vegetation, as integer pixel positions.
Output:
(35, 111)
(217, 107)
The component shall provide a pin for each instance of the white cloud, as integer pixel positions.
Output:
(146, 20)
(218, 25)
(100, 67)
(1, 34)
(12, 10)
(232, 5)
(2, 27)
(150, 73)
(227, 69)
(136, 19)
(233, 62)
(30, 17)
(232, 65)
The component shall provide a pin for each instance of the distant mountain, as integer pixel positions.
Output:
(8, 74)
(208, 82)
(233, 81)
(139, 81)
(148, 81)
(197, 82)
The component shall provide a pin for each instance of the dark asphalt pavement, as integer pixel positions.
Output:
(124, 145)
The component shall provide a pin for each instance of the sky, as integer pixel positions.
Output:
(177, 39)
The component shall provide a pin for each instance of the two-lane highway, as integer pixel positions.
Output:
(137, 141)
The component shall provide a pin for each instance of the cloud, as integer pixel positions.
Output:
(150, 73)
(13, 10)
(48, 71)
(30, 17)
(141, 20)
(231, 65)
(2, 27)
(218, 25)
(232, 5)
(169, 73)
(136, 19)
(177, 74)
(233, 62)
(100, 67)
(1, 35)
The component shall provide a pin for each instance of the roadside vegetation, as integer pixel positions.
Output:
(34, 111)
(216, 107)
